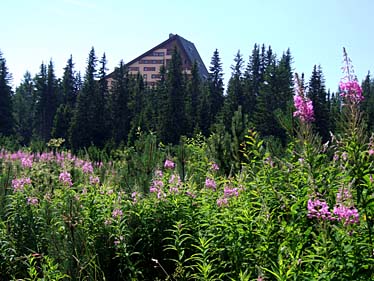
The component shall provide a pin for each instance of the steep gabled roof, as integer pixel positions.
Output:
(193, 55)
(188, 47)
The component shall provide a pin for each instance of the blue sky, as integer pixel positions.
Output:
(315, 31)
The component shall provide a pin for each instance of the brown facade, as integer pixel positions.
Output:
(149, 63)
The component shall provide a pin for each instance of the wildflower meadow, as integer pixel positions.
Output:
(153, 212)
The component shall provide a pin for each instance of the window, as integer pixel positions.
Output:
(169, 51)
(149, 68)
(145, 76)
(155, 76)
(158, 54)
(133, 68)
(151, 61)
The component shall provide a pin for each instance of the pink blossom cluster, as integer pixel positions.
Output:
(210, 184)
(175, 182)
(156, 187)
(65, 178)
(221, 202)
(304, 108)
(318, 209)
(351, 91)
(135, 196)
(348, 215)
(87, 167)
(169, 164)
(117, 213)
(32, 201)
(19, 184)
(343, 211)
(230, 192)
(94, 180)
(214, 167)
(26, 162)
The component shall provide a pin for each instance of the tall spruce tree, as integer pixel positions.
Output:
(265, 121)
(174, 121)
(23, 109)
(6, 117)
(119, 105)
(368, 102)
(235, 97)
(99, 133)
(317, 94)
(82, 126)
(69, 92)
(252, 80)
(41, 103)
(216, 87)
(192, 102)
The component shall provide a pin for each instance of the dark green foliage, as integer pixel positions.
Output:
(119, 105)
(23, 109)
(216, 87)
(6, 117)
(69, 92)
(317, 94)
(83, 127)
(173, 119)
(193, 95)
(235, 96)
(368, 103)
(46, 98)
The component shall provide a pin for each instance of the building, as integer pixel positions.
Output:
(149, 63)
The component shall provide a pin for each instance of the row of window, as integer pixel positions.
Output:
(151, 61)
(153, 76)
(146, 68)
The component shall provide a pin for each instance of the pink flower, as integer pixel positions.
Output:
(19, 184)
(318, 209)
(32, 201)
(65, 178)
(169, 164)
(117, 213)
(371, 152)
(214, 167)
(222, 202)
(229, 192)
(303, 105)
(351, 91)
(26, 162)
(210, 183)
(304, 109)
(349, 215)
(87, 168)
(94, 180)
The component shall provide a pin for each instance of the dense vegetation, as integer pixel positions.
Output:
(85, 112)
(256, 195)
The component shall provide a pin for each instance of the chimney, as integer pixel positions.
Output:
(171, 35)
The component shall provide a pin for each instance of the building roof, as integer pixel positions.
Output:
(188, 47)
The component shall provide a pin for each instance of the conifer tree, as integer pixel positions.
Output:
(119, 103)
(368, 102)
(41, 103)
(235, 97)
(69, 92)
(99, 133)
(173, 122)
(82, 127)
(6, 118)
(252, 80)
(192, 102)
(23, 109)
(317, 94)
(215, 80)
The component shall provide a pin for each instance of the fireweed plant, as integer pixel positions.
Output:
(153, 212)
